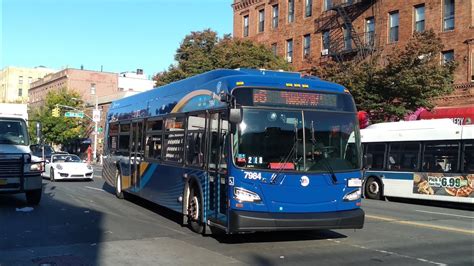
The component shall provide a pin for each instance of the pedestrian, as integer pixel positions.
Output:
(89, 154)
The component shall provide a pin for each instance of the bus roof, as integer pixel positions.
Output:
(167, 98)
(434, 129)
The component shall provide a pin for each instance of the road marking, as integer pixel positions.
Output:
(94, 188)
(448, 214)
(390, 253)
(444, 228)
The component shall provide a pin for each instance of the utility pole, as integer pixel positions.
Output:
(96, 119)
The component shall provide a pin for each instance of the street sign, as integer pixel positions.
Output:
(74, 114)
(96, 115)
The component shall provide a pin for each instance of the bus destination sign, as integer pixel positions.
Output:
(293, 98)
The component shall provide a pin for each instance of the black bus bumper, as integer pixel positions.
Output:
(246, 221)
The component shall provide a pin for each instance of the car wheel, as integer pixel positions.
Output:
(51, 175)
(195, 211)
(118, 185)
(373, 188)
(33, 197)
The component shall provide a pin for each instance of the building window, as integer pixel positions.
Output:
(291, 11)
(20, 92)
(308, 8)
(274, 49)
(261, 20)
(393, 24)
(246, 26)
(30, 79)
(289, 50)
(275, 16)
(347, 38)
(448, 15)
(370, 31)
(472, 67)
(20, 80)
(306, 45)
(447, 56)
(420, 18)
(327, 4)
(326, 41)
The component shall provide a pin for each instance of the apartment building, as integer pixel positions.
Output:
(15, 82)
(309, 33)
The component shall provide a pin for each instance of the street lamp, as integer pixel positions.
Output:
(94, 117)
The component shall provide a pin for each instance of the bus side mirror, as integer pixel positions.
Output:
(368, 160)
(235, 115)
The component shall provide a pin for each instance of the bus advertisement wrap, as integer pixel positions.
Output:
(443, 184)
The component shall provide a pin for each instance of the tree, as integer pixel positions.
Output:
(59, 130)
(408, 79)
(203, 51)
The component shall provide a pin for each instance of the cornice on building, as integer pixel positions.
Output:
(241, 4)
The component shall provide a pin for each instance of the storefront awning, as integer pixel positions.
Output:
(459, 115)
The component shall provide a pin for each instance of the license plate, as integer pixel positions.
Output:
(354, 182)
(3, 182)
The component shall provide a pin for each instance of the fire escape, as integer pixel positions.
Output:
(341, 41)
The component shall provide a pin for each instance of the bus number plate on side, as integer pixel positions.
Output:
(253, 175)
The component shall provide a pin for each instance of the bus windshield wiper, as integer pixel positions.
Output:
(326, 163)
(287, 158)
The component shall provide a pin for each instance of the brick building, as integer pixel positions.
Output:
(308, 33)
(108, 87)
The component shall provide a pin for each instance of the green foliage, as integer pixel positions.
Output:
(204, 51)
(409, 78)
(59, 130)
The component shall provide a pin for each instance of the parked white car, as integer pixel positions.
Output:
(67, 166)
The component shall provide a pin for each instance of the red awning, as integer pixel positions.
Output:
(459, 115)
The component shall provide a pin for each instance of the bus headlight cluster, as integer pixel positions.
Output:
(351, 196)
(244, 195)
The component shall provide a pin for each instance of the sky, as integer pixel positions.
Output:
(119, 35)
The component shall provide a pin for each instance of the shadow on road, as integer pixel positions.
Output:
(279, 236)
(63, 229)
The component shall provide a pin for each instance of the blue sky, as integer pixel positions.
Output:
(120, 35)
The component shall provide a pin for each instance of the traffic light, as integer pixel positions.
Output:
(55, 112)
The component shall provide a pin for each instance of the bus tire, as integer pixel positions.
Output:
(118, 185)
(33, 197)
(373, 188)
(195, 210)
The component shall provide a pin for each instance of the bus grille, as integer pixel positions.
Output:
(11, 166)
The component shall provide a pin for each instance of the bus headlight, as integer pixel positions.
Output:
(351, 196)
(244, 195)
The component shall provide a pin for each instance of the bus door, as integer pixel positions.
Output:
(136, 152)
(217, 167)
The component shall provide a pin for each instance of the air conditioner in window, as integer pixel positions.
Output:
(325, 52)
(289, 59)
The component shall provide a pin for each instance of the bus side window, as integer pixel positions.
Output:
(195, 141)
(441, 156)
(469, 157)
(378, 154)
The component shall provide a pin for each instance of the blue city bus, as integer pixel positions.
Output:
(240, 150)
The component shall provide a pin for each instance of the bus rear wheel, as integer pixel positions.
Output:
(195, 211)
(373, 188)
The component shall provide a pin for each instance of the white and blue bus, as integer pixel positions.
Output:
(424, 159)
(241, 150)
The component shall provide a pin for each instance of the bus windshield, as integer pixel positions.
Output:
(13, 132)
(296, 140)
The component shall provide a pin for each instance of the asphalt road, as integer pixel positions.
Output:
(82, 223)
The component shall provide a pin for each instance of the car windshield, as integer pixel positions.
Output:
(13, 132)
(305, 141)
(66, 158)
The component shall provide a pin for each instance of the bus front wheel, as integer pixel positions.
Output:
(373, 188)
(195, 211)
